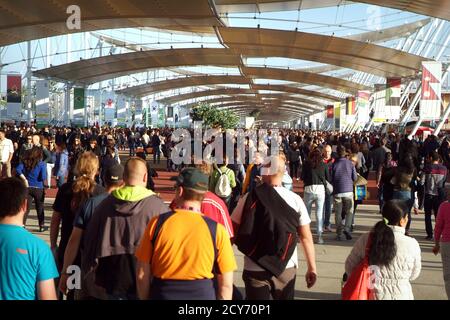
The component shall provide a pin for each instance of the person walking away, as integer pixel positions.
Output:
(27, 267)
(114, 231)
(69, 199)
(186, 272)
(434, 177)
(156, 143)
(442, 241)
(403, 182)
(314, 176)
(50, 146)
(395, 257)
(27, 145)
(108, 160)
(383, 183)
(6, 155)
(294, 160)
(239, 173)
(61, 164)
(222, 181)
(343, 177)
(260, 282)
(75, 152)
(113, 181)
(378, 154)
(33, 172)
(253, 173)
(328, 160)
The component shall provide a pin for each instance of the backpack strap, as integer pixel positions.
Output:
(212, 226)
(161, 219)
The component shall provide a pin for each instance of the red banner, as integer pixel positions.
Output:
(14, 89)
(330, 112)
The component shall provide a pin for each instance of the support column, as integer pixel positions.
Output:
(68, 111)
(29, 66)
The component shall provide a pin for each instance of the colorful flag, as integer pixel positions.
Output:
(392, 98)
(430, 103)
(337, 116)
(330, 112)
(14, 89)
(14, 97)
(78, 98)
(351, 105)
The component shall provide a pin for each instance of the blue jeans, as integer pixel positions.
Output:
(319, 200)
(60, 181)
(327, 210)
(407, 196)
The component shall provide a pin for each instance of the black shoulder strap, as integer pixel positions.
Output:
(212, 226)
(161, 219)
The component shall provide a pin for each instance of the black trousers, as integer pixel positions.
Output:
(431, 205)
(293, 168)
(38, 195)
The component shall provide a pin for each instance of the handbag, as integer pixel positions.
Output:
(357, 285)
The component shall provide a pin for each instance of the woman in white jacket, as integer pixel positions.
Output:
(395, 257)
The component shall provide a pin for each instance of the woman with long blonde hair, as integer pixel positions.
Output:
(70, 197)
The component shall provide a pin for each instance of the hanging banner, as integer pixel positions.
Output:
(14, 97)
(42, 103)
(78, 106)
(350, 103)
(161, 116)
(330, 112)
(362, 105)
(379, 103)
(78, 98)
(351, 106)
(109, 107)
(343, 116)
(337, 116)
(122, 107)
(154, 111)
(138, 111)
(430, 103)
(393, 93)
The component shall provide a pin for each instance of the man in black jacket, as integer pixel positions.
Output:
(261, 284)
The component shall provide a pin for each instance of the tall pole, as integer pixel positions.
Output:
(29, 66)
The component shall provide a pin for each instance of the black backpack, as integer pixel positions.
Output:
(268, 230)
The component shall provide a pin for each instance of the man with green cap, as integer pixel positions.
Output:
(181, 251)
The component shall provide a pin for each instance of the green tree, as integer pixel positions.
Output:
(214, 117)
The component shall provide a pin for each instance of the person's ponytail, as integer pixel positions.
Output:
(83, 187)
(383, 248)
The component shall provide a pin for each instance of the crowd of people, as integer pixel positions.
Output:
(127, 243)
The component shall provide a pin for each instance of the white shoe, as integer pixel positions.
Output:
(320, 241)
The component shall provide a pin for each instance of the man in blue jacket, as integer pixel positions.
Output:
(343, 177)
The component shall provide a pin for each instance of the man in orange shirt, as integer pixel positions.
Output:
(182, 250)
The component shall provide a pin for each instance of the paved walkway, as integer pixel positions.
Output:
(331, 257)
